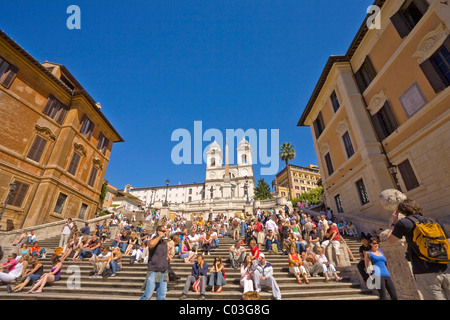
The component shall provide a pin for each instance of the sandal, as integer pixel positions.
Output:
(307, 281)
(219, 290)
(299, 281)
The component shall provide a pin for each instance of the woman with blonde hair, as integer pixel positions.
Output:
(131, 243)
(50, 277)
(115, 261)
(296, 265)
(34, 273)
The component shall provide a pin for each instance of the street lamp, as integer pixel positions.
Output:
(393, 170)
(167, 189)
(12, 191)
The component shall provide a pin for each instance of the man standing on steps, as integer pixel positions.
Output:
(158, 265)
(263, 275)
(65, 233)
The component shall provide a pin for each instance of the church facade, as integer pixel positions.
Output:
(238, 186)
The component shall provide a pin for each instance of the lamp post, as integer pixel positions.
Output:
(12, 191)
(393, 170)
(167, 189)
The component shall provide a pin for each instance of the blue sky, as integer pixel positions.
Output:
(157, 66)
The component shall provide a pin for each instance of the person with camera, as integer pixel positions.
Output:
(65, 233)
(432, 276)
(158, 265)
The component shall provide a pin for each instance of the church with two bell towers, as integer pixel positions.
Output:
(223, 182)
(229, 181)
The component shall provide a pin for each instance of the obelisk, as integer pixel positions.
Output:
(226, 185)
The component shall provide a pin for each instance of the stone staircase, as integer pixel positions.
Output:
(127, 284)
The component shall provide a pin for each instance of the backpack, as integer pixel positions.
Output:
(274, 248)
(429, 241)
(258, 227)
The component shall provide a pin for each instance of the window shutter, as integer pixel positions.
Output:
(422, 5)
(3, 67)
(433, 76)
(92, 177)
(400, 24)
(408, 176)
(390, 117)
(48, 106)
(74, 163)
(19, 195)
(10, 76)
(61, 114)
(37, 148)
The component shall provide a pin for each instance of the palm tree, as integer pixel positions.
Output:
(287, 153)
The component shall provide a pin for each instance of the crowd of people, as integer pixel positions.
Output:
(305, 240)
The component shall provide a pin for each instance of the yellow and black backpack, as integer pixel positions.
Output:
(429, 241)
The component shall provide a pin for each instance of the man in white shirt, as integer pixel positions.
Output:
(263, 275)
(65, 233)
(194, 240)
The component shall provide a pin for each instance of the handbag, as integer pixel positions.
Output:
(196, 286)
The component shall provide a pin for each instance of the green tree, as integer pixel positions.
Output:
(103, 192)
(314, 196)
(287, 153)
(262, 190)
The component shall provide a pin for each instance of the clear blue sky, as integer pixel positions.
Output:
(159, 65)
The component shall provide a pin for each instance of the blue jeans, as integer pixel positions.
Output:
(268, 244)
(41, 252)
(114, 266)
(300, 247)
(216, 242)
(243, 228)
(216, 279)
(83, 253)
(151, 285)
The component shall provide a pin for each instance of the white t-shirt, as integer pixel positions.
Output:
(271, 225)
(193, 238)
(67, 228)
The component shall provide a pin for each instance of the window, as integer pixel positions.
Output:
(334, 101)
(87, 127)
(437, 67)
(60, 203)
(83, 210)
(19, 195)
(92, 177)
(329, 164)
(384, 122)
(74, 163)
(8, 73)
(297, 195)
(338, 202)
(348, 144)
(408, 176)
(190, 199)
(365, 75)
(55, 110)
(409, 16)
(37, 149)
(190, 191)
(296, 187)
(318, 125)
(363, 197)
(102, 143)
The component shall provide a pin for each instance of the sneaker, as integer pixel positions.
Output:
(202, 297)
(183, 296)
(8, 288)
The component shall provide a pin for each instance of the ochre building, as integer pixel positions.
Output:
(379, 114)
(55, 143)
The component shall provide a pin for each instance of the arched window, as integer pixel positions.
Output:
(213, 162)
(244, 158)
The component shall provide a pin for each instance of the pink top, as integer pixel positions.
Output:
(13, 263)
